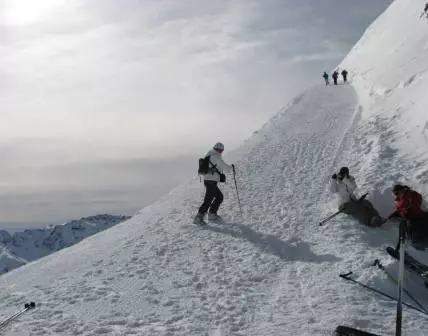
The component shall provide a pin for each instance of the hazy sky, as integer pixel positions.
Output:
(95, 93)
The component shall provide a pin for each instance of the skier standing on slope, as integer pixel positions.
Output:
(335, 75)
(344, 75)
(213, 195)
(408, 206)
(343, 184)
(325, 76)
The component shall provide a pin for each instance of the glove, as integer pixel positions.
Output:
(334, 177)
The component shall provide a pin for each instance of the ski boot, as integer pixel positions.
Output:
(199, 219)
(213, 217)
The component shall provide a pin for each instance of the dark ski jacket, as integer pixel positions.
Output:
(335, 74)
(409, 206)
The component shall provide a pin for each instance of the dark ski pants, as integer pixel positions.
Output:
(335, 81)
(362, 210)
(419, 228)
(213, 198)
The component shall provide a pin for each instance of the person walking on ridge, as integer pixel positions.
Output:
(335, 75)
(325, 76)
(213, 195)
(344, 75)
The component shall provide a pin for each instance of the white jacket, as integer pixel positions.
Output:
(216, 160)
(344, 189)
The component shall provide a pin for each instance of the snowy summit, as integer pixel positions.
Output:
(274, 270)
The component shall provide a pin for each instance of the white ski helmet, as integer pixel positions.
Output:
(219, 146)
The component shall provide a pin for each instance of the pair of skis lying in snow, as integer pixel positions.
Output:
(406, 262)
(418, 270)
(411, 264)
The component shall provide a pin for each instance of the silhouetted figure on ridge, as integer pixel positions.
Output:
(325, 76)
(335, 76)
(344, 75)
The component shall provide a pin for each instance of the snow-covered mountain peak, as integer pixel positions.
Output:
(31, 244)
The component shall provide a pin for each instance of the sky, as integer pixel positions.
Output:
(107, 104)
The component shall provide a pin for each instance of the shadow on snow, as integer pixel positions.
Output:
(293, 249)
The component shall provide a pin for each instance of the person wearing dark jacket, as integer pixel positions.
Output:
(344, 75)
(325, 76)
(335, 76)
(408, 207)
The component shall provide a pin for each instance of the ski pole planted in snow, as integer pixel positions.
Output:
(400, 281)
(236, 188)
(13, 317)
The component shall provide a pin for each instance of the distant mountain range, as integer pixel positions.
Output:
(29, 245)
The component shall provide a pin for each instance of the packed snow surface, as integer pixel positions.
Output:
(272, 271)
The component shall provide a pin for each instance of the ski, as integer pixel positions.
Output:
(347, 276)
(27, 307)
(379, 265)
(347, 331)
(410, 263)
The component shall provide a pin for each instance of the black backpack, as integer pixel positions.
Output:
(204, 168)
(204, 165)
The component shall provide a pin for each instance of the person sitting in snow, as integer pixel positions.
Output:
(344, 75)
(343, 184)
(335, 76)
(408, 206)
(325, 76)
(213, 195)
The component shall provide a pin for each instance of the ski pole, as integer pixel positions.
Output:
(236, 188)
(325, 220)
(382, 267)
(400, 281)
(341, 210)
(27, 307)
(346, 276)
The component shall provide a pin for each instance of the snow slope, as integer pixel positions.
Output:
(389, 67)
(273, 271)
(22, 247)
